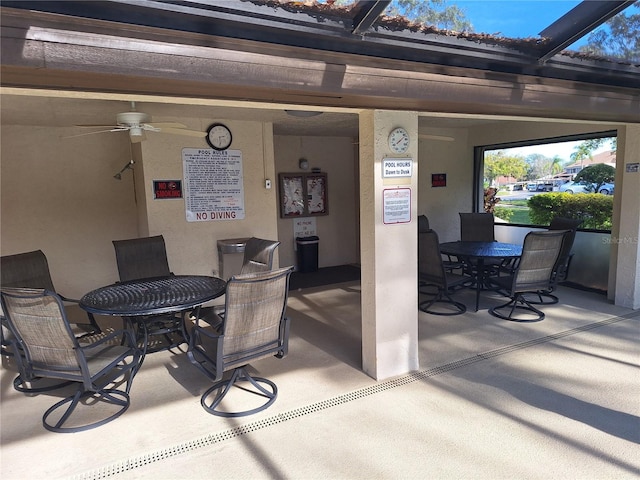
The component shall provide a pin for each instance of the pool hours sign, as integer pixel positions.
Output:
(213, 184)
(397, 167)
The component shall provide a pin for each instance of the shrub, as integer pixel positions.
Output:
(490, 199)
(504, 213)
(595, 210)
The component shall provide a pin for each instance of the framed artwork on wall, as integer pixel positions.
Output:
(316, 184)
(303, 194)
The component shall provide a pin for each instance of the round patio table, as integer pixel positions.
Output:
(142, 300)
(477, 253)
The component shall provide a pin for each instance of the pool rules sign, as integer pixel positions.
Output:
(213, 184)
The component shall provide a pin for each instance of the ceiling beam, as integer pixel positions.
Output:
(578, 22)
(368, 13)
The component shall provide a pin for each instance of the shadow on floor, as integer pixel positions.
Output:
(324, 276)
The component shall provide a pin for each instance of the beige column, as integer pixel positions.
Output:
(625, 248)
(388, 250)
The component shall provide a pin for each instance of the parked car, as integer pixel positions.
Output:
(544, 187)
(584, 187)
(576, 187)
(606, 189)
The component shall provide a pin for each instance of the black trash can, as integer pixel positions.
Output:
(307, 253)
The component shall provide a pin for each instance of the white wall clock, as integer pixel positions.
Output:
(219, 136)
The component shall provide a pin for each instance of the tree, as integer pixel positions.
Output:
(621, 38)
(431, 12)
(596, 174)
(497, 164)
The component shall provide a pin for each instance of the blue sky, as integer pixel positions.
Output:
(513, 18)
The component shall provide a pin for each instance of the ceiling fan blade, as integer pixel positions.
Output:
(98, 131)
(166, 125)
(443, 138)
(97, 126)
(182, 131)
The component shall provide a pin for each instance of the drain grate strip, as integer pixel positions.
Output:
(212, 439)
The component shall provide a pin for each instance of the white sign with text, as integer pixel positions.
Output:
(213, 184)
(397, 167)
(396, 205)
(303, 227)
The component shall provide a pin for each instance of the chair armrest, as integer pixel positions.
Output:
(67, 299)
(211, 316)
(207, 360)
(117, 334)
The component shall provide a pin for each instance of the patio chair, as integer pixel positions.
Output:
(38, 321)
(31, 269)
(258, 257)
(477, 227)
(432, 273)
(146, 257)
(532, 273)
(423, 224)
(254, 327)
(449, 264)
(561, 269)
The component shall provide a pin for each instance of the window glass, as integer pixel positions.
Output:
(528, 184)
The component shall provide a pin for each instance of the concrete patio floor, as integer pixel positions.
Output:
(492, 400)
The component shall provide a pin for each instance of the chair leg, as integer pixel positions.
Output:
(518, 302)
(240, 374)
(544, 297)
(31, 386)
(442, 298)
(115, 397)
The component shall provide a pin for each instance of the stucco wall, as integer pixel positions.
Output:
(191, 246)
(338, 231)
(59, 196)
(442, 204)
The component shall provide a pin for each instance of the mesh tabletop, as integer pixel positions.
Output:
(153, 295)
(481, 249)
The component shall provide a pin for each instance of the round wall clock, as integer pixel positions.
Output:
(219, 136)
(399, 140)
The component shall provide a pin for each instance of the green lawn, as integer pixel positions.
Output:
(520, 215)
(520, 211)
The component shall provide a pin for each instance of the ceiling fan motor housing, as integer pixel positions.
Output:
(133, 120)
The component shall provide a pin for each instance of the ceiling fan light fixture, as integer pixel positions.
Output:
(136, 131)
(303, 113)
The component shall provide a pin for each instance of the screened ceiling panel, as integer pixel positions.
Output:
(496, 36)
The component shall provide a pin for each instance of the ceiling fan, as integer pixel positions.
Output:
(137, 123)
